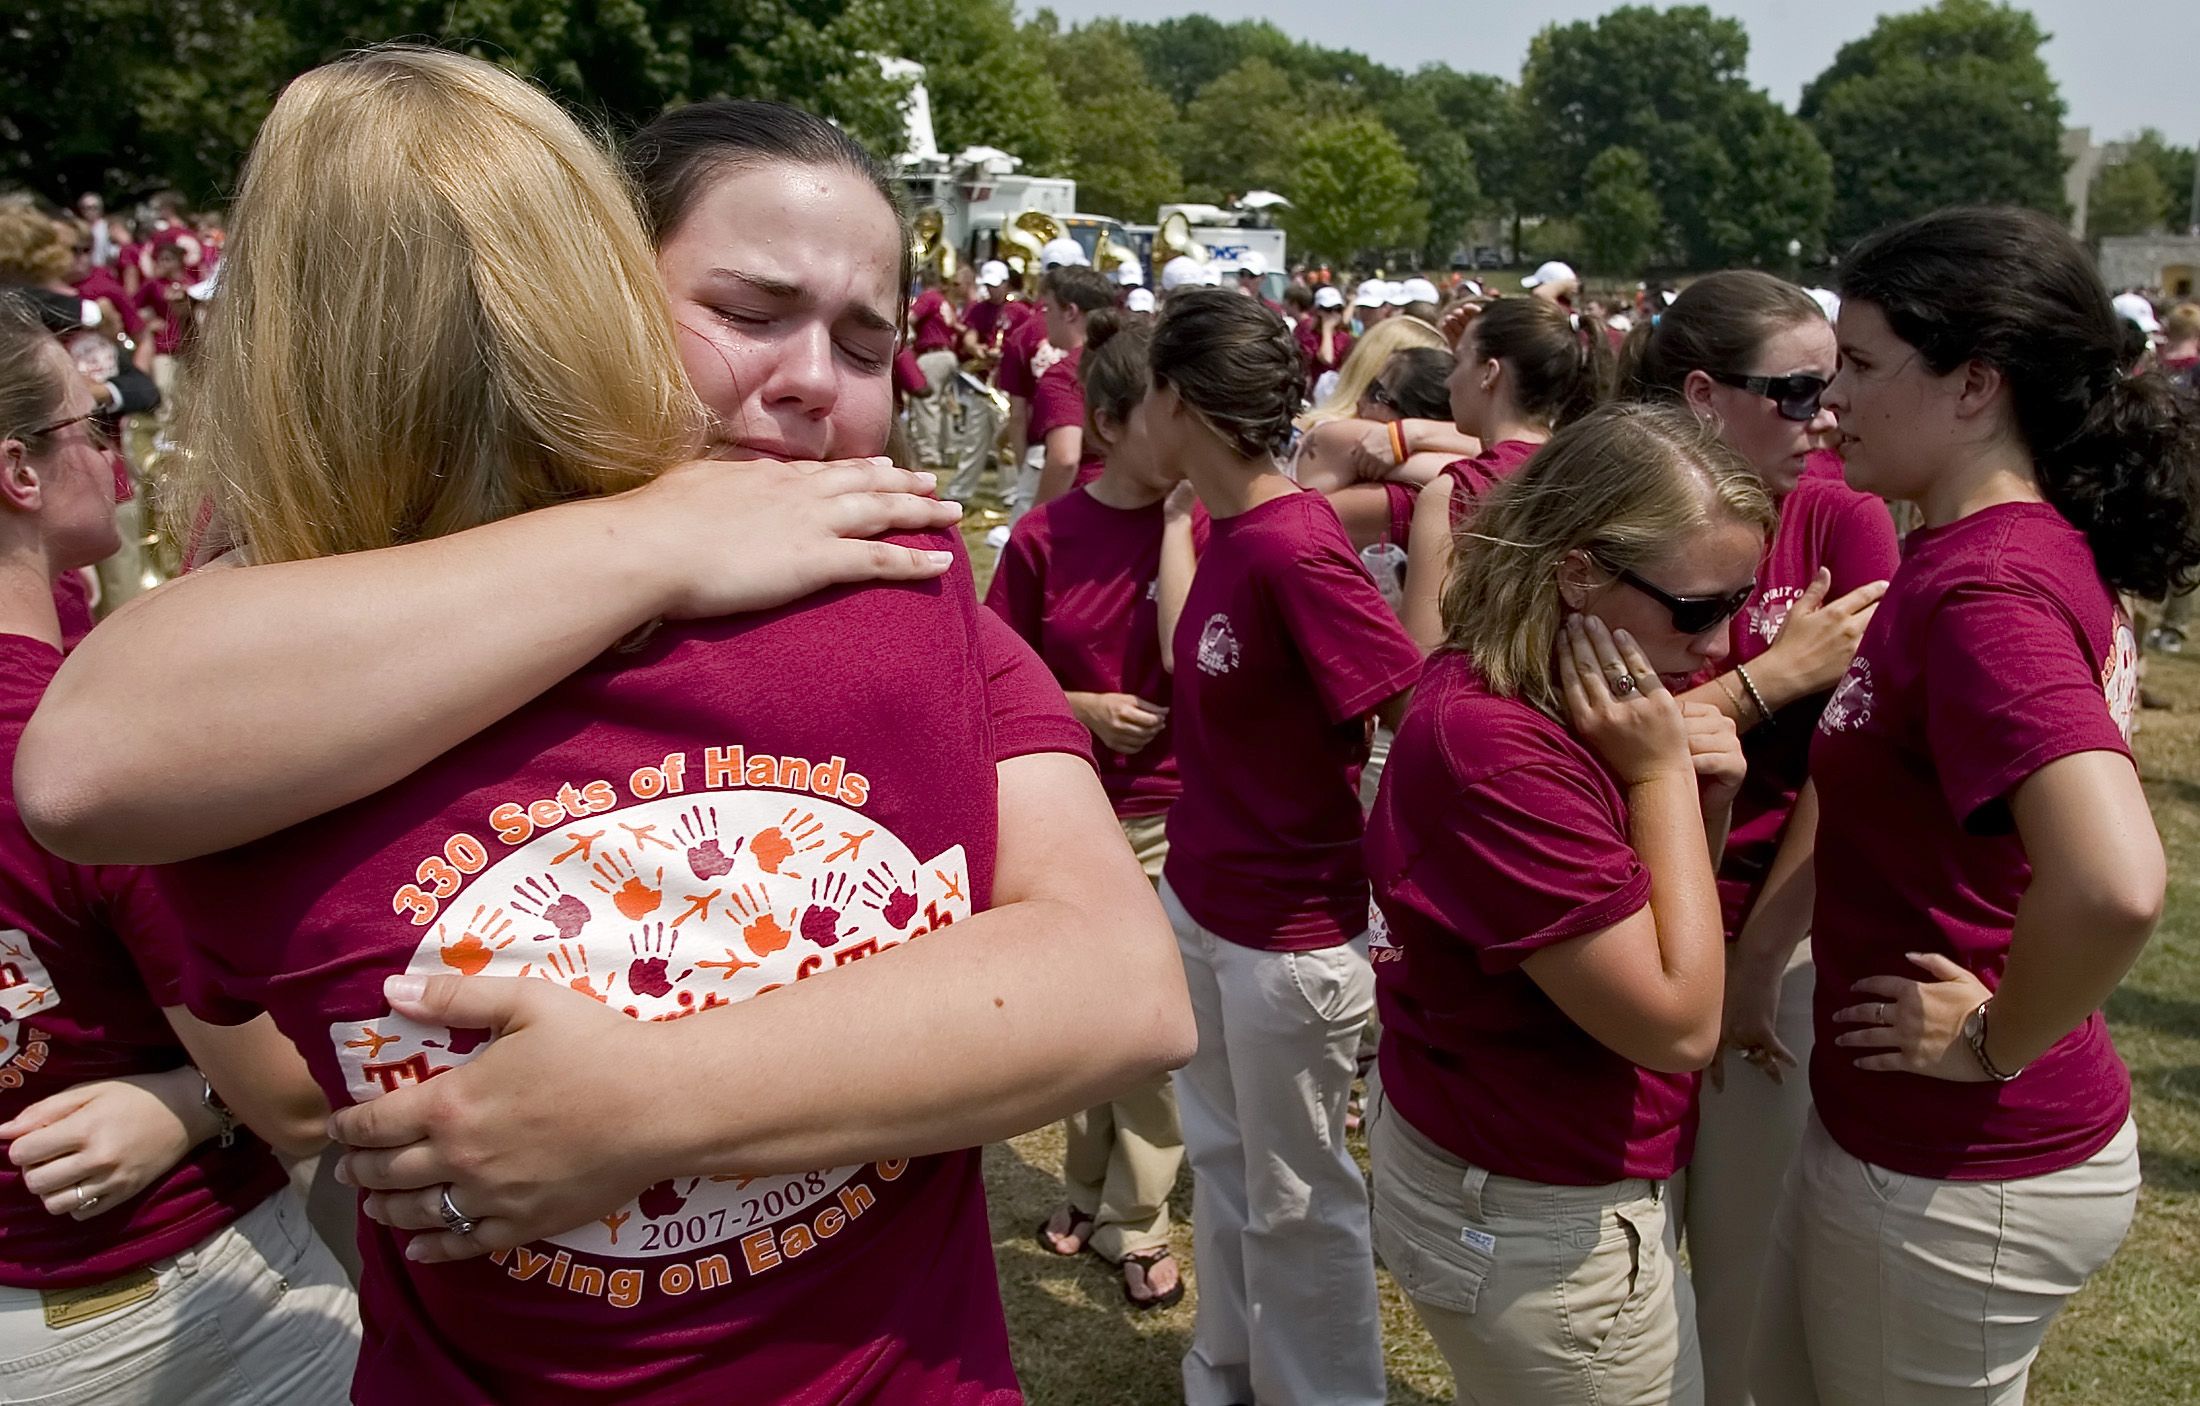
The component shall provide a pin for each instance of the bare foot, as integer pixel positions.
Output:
(1151, 1280)
(1066, 1231)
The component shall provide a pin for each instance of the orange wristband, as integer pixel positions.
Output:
(1398, 440)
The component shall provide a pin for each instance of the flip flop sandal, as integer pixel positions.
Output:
(1080, 1227)
(1146, 1260)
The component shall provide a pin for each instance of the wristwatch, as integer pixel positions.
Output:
(1974, 1035)
(226, 1134)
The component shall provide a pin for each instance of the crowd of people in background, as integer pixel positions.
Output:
(1657, 766)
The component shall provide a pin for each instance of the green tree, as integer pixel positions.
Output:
(126, 95)
(1115, 148)
(1620, 218)
(2127, 198)
(1353, 189)
(2173, 165)
(1439, 148)
(1182, 56)
(989, 79)
(1670, 85)
(1240, 131)
(1945, 105)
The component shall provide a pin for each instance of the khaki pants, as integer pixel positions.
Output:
(1893, 1290)
(256, 1314)
(1287, 1312)
(1121, 1158)
(929, 414)
(1554, 1295)
(972, 432)
(1744, 1143)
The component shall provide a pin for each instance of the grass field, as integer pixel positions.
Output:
(2131, 1339)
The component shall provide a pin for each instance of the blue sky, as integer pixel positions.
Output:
(2122, 64)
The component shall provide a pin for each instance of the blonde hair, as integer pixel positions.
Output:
(1369, 356)
(1627, 485)
(33, 248)
(2181, 324)
(437, 309)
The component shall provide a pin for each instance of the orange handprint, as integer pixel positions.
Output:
(571, 967)
(761, 929)
(776, 844)
(484, 936)
(632, 897)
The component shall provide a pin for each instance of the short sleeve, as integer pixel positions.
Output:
(908, 375)
(1860, 544)
(1018, 590)
(1354, 648)
(1028, 713)
(2008, 689)
(141, 908)
(1525, 859)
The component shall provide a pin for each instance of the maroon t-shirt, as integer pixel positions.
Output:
(1025, 354)
(1078, 581)
(72, 606)
(992, 322)
(1997, 650)
(81, 987)
(1823, 523)
(1471, 478)
(1497, 834)
(100, 283)
(165, 299)
(1285, 648)
(1059, 400)
(908, 376)
(1310, 346)
(931, 322)
(722, 809)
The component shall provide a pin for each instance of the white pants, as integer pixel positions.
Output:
(1893, 1290)
(1026, 495)
(256, 1314)
(1745, 1141)
(1283, 1265)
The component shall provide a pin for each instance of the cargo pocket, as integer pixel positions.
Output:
(1442, 1271)
(1630, 1274)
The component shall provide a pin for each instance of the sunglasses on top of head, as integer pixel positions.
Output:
(1692, 615)
(1796, 397)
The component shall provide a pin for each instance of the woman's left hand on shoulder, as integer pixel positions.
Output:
(1917, 1026)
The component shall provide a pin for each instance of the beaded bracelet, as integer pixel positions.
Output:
(1764, 713)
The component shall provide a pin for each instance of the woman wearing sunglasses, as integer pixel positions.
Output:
(1524, 369)
(1398, 434)
(1986, 867)
(1750, 356)
(1548, 964)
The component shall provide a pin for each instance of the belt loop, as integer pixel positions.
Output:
(1470, 1187)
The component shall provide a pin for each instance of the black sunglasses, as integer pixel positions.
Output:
(1796, 397)
(1692, 615)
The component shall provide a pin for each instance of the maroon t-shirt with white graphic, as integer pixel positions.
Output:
(80, 1000)
(1284, 649)
(722, 809)
(1497, 834)
(1997, 650)
(1823, 523)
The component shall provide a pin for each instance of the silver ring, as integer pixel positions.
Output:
(1882, 1016)
(455, 1220)
(83, 1202)
(1623, 685)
